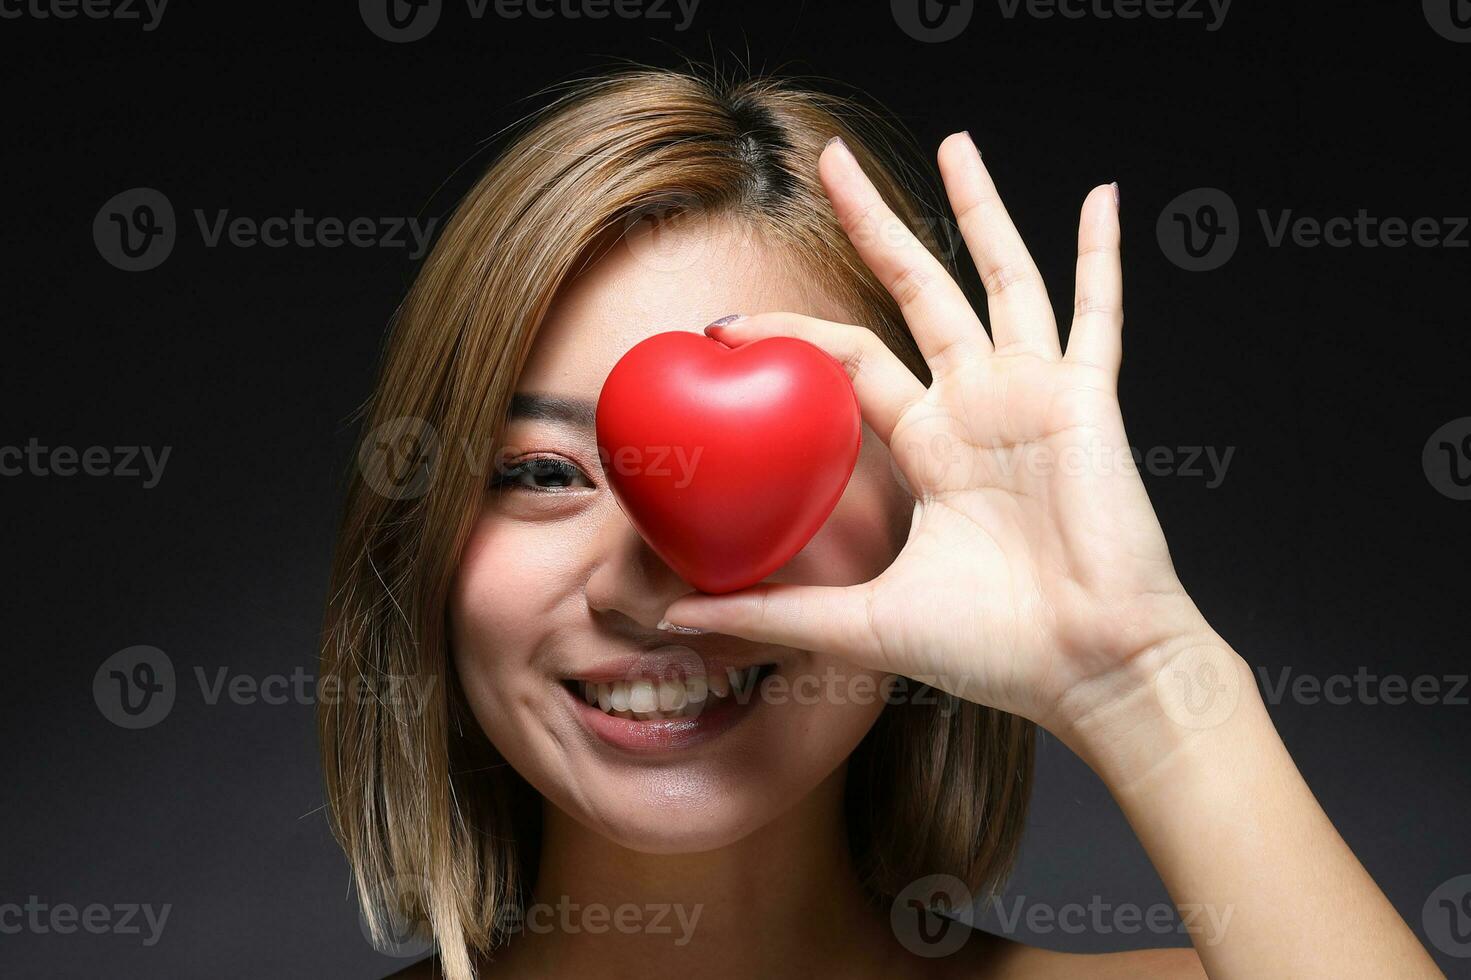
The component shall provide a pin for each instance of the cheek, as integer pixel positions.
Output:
(502, 583)
(836, 703)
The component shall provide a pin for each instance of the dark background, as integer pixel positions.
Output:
(1327, 548)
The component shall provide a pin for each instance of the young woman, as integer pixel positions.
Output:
(549, 808)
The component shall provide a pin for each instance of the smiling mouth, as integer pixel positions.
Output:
(650, 699)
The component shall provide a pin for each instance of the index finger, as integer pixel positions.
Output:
(944, 326)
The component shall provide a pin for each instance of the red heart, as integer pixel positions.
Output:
(727, 460)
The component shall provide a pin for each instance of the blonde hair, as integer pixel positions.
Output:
(439, 831)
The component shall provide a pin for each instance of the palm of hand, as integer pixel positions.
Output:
(1030, 521)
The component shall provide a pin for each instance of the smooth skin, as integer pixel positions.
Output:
(1036, 579)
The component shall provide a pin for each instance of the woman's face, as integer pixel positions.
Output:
(557, 591)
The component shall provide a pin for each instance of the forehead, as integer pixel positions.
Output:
(682, 277)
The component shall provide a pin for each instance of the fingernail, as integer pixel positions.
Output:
(669, 627)
(839, 140)
(972, 140)
(726, 321)
(1115, 186)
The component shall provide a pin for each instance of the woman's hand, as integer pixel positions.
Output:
(1035, 578)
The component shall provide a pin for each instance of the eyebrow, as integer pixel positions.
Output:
(553, 408)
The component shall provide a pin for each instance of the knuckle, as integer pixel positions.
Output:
(1086, 306)
(910, 284)
(862, 221)
(854, 347)
(1007, 275)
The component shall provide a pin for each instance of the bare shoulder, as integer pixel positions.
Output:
(998, 958)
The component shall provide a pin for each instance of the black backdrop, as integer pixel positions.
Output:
(1335, 544)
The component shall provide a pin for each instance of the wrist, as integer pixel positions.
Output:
(1172, 700)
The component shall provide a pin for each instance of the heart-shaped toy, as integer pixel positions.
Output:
(727, 460)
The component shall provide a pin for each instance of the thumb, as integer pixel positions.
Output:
(821, 618)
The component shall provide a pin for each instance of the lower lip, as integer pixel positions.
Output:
(632, 735)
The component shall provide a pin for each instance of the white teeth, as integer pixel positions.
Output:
(696, 690)
(642, 697)
(671, 696)
(650, 700)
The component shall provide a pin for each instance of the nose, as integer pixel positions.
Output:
(629, 577)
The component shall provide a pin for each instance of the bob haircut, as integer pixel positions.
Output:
(441, 834)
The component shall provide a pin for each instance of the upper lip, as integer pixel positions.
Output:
(668, 659)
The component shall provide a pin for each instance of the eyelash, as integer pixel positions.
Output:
(536, 466)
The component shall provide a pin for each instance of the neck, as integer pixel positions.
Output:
(783, 901)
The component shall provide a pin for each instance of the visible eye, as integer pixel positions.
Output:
(544, 474)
